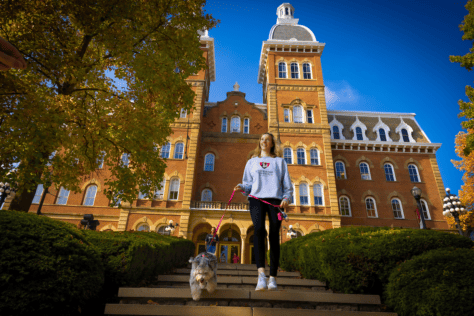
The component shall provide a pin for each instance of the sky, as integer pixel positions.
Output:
(382, 56)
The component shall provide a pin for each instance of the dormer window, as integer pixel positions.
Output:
(359, 133)
(405, 135)
(335, 132)
(383, 138)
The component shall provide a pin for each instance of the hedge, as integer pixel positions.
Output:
(46, 266)
(437, 282)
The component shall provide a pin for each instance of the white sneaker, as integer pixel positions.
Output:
(262, 282)
(272, 284)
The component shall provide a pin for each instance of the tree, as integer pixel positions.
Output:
(63, 114)
(467, 61)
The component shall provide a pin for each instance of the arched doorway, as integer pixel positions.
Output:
(251, 254)
(229, 243)
(199, 237)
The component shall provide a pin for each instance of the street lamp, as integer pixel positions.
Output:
(452, 207)
(291, 233)
(5, 190)
(89, 223)
(170, 228)
(416, 192)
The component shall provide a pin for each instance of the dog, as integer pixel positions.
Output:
(203, 274)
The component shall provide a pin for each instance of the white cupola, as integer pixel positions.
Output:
(285, 13)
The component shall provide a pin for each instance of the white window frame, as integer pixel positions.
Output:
(340, 127)
(297, 72)
(375, 207)
(348, 205)
(172, 181)
(176, 153)
(368, 171)
(393, 171)
(321, 188)
(286, 113)
(203, 193)
(357, 134)
(38, 195)
(343, 166)
(291, 155)
(304, 156)
(424, 203)
(62, 195)
(183, 113)
(417, 173)
(317, 156)
(86, 198)
(167, 146)
(338, 132)
(235, 119)
(384, 135)
(295, 117)
(310, 71)
(224, 125)
(159, 194)
(126, 159)
(246, 125)
(305, 185)
(401, 208)
(211, 164)
(285, 70)
(310, 116)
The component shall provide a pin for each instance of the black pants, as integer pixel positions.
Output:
(258, 212)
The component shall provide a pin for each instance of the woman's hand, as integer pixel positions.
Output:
(284, 203)
(238, 188)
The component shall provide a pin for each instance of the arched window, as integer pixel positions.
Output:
(174, 189)
(100, 160)
(206, 195)
(370, 207)
(364, 171)
(143, 228)
(38, 194)
(425, 210)
(125, 159)
(282, 70)
(304, 200)
(306, 71)
(224, 125)
(286, 11)
(295, 72)
(340, 170)
(235, 125)
(314, 153)
(389, 174)
(165, 150)
(90, 195)
(383, 138)
(405, 135)
(298, 114)
(287, 155)
(397, 209)
(161, 230)
(344, 206)
(178, 151)
(359, 133)
(246, 126)
(159, 193)
(286, 115)
(300, 156)
(413, 171)
(183, 113)
(63, 196)
(335, 132)
(209, 162)
(318, 194)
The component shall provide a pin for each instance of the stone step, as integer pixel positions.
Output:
(241, 272)
(243, 280)
(238, 266)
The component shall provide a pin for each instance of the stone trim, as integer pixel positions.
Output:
(395, 194)
(364, 159)
(339, 157)
(414, 161)
(438, 178)
(370, 193)
(388, 160)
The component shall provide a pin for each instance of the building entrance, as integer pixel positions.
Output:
(229, 244)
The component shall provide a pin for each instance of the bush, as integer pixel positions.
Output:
(437, 282)
(46, 266)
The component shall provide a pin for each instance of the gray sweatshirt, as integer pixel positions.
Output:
(267, 177)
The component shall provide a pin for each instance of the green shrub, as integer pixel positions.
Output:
(46, 266)
(438, 282)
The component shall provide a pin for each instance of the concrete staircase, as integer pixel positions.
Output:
(236, 295)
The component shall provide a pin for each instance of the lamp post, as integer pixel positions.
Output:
(89, 222)
(416, 192)
(291, 233)
(170, 228)
(452, 207)
(5, 190)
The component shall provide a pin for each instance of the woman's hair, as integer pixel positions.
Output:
(275, 151)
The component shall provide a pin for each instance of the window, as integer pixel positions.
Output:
(161, 230)
(286, 11)
(405, 135)
(413, 171)
(206, 195)
(224, 125)
(178, 151)
(142, 196)
(209, 162)
(344, 206)
(370, 207)
(303, 194)
(51, 158)
(318, 194)
(314, 157)
(143, 228)
(359, 133)
(295, 73)
(90, 195)
(125, 159)
(292, 199)
(335, 132)
(63, 195)
(383, 138)
(183, 113)
(38, 194)
(287, 155)
(298, 114)
(286, 114)
(159, 193)
(306, 71)
(300, 156)
(100, 161)
(117, 199)
(235, 125)
(364, 171)
(389, 174)
(174, 189)
(397, 209)
(165, 150)
(424, 208)
(246, 126)
(340, 170)
(309, 114)
(282, 70)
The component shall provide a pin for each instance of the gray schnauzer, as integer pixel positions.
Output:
(203, 274)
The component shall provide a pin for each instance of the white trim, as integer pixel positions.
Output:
(312, 116)
(286, 70)
(162, 191)
(338, 124)
(240, 123)
(59, 196)
(427, 209)
(93, 198)
(175, 150)
(371, 114)
(310, 70)
(307, 191)
(417, 172)
(393, 172)
(202, 195)
(349, 205)
(401, 208)
(297, 72)
(318, 157)
(304, 156)
(368, 168)
(335, 169)
(375, 207)
(303, 114)
(171, 187)
(213, 162)
(322, 193)
(291, 152)
(248, 125)
(362, 126)
(289, 115)
(382, 125)
(36, 194)
(409, 130)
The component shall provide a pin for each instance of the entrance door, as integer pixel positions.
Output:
(234, 249)
(226, 252)
(201, 247)
(223, 253)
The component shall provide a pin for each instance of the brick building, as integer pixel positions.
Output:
(347, 168)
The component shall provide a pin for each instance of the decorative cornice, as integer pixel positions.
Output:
(400, 147)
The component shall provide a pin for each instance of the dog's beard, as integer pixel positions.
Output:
(202, 279)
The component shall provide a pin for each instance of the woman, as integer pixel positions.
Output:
(235, 258)
(266, 177)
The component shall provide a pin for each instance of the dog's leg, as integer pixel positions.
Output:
(195, 293)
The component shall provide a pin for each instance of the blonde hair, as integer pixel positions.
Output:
(275, 151)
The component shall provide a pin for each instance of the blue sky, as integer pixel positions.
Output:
(388, 56)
